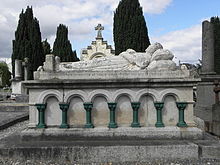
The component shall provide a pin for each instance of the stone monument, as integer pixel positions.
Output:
(18, 90)
(132, 95)
(205, 94)
(98, 48)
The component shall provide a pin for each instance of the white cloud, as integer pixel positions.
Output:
(155, 6)
(185, 43)
(81, 16)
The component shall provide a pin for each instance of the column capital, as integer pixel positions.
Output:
(64, 106)
(112, 106)
(135, 105)
(159, 105)
(181, 105)
(88, 106)
(41, 106)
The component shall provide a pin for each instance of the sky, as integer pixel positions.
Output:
(176, 24)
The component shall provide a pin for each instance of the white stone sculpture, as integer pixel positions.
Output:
(154, 58)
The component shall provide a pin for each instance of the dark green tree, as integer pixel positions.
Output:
(46, 47)
(27, 42)
(130, 30)
(5, 74)
(62, 46)
(216, 25)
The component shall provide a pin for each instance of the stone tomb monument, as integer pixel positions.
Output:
(98, 48)
(134, 94)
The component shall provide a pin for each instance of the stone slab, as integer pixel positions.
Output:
(121, 133)
(111, 74)
(210, 150)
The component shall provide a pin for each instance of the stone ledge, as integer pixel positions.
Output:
(121, 133)
(104, 153)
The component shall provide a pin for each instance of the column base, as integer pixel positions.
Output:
(159, 125)
(182, 124)
(112, 125)
(41, 126)
(89, 126)
(135, 125)
(64, 126)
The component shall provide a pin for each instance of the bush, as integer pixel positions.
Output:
(5, 74)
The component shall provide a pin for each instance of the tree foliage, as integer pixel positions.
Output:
(46, 47)
(5, 74)
(27, 42)
(130, 30)
(62, 46)
(216, 25)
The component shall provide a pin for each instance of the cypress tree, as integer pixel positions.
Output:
(27, 42)
(62, 46)
(130, 30)
(5, 74)
(46, 47)
(216, 25)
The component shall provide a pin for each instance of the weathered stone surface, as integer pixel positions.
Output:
(121, 133)
(18, 69)
(207, 47)
(128, 60)
(98, 48)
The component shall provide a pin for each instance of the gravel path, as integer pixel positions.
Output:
(15, 128)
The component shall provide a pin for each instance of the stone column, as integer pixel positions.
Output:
(18, 69)
(207, 48)
(88, 108)
(25, 65)
(41, 115)
(112, 123)
(135, 107)
(64, 107)
(181, 106)
(159, 107)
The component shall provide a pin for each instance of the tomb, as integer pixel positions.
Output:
(134, 94)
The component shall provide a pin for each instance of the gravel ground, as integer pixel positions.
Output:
(15, 128)
(22, 125)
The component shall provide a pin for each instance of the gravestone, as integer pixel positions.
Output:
(18, 91)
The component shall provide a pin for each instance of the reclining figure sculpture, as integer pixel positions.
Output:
(154, 58)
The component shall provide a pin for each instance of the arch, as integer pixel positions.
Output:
(76, 93)
(127, 92)
(97, 54)
(147, 92)
(100, 92)
(170, 92)
(49, 93)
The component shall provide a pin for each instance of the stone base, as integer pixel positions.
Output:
(106, 153)
(121, 133)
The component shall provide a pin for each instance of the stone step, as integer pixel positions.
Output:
(100, 152)
(121, 133)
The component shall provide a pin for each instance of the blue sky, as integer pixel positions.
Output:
(174, 23)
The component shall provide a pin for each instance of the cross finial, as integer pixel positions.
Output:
(99, 28)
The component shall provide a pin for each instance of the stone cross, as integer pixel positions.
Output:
(99, 28)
